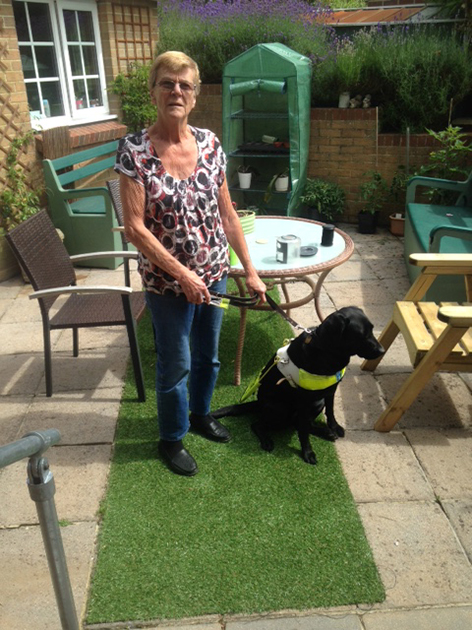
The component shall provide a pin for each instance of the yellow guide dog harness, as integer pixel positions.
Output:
(296, 377)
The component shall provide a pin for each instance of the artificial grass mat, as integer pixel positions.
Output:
(251, 532)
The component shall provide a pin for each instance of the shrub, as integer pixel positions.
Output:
(17, 200)
(216, 32)
(132, 88)
(326, 197)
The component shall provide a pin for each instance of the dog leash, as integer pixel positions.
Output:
(281, 312)
(223, 300)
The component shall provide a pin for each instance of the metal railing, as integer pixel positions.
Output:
(42, 488)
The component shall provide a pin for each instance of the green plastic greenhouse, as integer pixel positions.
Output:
(266, 125)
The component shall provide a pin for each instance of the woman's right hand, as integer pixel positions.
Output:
(194, 288)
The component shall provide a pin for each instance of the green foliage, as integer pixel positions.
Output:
(373, 192)
(398, 184)
(17, 200)
(450, 161)
(328, 198)
(412, 75)
(132, 88)
(214, 33)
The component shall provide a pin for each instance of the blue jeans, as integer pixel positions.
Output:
(187, 338)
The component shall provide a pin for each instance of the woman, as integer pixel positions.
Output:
(178, 213)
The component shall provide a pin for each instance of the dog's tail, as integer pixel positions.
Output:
(236, 410)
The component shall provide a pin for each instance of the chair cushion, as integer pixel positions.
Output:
(425, 217)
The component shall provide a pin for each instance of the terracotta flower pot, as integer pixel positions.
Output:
(397, 224)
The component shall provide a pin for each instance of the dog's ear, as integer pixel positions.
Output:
(329, 333)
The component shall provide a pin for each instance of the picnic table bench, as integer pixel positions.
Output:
(438, 228)
(84, 215)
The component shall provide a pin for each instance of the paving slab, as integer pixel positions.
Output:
(393, 268)
(20, 374)
(80, 474)
(93, 369)
(99, 337)
(444, 402)
(460, 515)
(382, 467)
(418, 556)
(328, 621)
(358, 402)
(447, 460)
(25, 337)
(22, 310)
(27, 597)
(11, 289)
(453, 618)
(354, 270)
(198, 625)
(13, 411)
(87, 417)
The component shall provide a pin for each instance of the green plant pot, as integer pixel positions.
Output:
(247, 219)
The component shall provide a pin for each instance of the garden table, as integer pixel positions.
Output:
(262, 249)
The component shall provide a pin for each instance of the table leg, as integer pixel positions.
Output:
(286, 296)
(319, 284)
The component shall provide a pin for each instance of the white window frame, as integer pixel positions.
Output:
(73, 115)
(90, 5)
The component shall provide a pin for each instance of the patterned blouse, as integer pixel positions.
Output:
(182, 214)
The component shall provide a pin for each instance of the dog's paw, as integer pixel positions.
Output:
(339, 431)
(309, 457)
(267, 444)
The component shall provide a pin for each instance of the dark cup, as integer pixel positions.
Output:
(327, 235)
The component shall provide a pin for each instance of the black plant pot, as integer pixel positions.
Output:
(367, 222)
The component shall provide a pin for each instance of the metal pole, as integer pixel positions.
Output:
(42, 489)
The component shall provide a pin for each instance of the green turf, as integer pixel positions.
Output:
(252, 532)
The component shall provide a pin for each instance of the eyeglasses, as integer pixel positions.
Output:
(169, 86)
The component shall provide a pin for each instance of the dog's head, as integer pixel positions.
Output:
(348, 331)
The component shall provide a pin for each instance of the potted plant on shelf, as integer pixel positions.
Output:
(280, 181)
(17, 202)
(245, 173)
(373, 193)
(325, 199)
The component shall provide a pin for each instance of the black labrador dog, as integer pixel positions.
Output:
(301, 379)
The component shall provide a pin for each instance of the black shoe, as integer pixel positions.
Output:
(178, 458)
(209, 428)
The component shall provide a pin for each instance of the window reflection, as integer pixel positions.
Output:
(86, 26)
(46, 61)
(70, 22)
(40, 22)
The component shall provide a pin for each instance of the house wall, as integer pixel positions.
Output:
(129, 33)
(14, 112)
(344, 144)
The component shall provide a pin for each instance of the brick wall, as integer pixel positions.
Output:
(129, 33)
(14, 112)
(344, 144)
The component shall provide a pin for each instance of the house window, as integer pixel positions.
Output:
(61, 57)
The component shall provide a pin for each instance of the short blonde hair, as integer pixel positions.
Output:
(174, 61)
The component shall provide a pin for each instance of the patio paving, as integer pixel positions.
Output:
(412, 486)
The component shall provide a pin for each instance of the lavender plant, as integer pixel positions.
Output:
(215, 32)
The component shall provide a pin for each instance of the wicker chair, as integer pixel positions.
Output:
(113, 186)
(49, 267)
